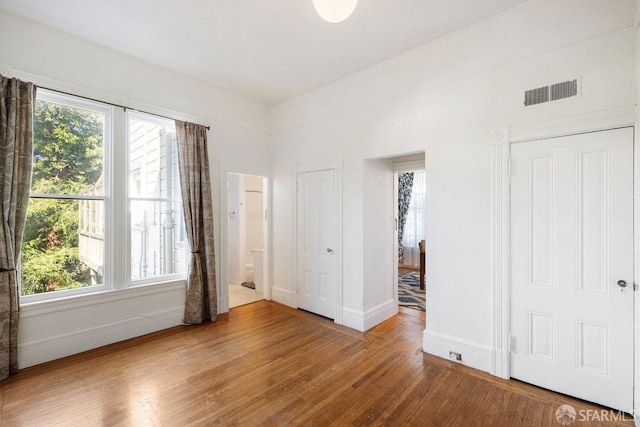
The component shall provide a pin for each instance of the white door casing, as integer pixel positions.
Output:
(571, 242)
(316, 215)
(227, 168)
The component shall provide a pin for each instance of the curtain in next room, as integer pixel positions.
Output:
(405, 183)
(414, 225)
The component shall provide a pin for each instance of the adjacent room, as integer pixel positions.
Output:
(419, 212)
(411, 239)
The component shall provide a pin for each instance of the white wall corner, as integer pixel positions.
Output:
(379, 314)
(353, 319)
(473, 355)
(284, 296)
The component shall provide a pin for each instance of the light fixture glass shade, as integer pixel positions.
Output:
(335, 10)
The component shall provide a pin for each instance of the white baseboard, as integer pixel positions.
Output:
(363, 321)
(284, 296)
(473, 354)
(353, 319)
(379, 314)
(51, 348)
(500, 363)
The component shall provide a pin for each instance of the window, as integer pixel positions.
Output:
(84, 220)
(154, 199)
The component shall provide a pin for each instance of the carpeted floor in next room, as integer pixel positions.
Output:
(409, 293)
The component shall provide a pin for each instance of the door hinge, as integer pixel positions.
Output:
(509, 167)
(511, 340)
(396, 221)
(635, 286)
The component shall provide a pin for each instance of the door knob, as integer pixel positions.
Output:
(329, 250)
(622, 283)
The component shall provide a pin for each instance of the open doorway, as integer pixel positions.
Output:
(411, 239)
(380, 235)
(246, 231)
(410, 197)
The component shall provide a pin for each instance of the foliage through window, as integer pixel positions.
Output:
(80, 217)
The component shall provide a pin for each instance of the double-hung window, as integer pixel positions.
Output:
(105, 211)
(155, 203)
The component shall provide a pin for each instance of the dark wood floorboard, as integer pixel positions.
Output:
(265, 364)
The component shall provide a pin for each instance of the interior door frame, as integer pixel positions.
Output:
(227, 168)
(317, 166)
(398, 168)
(501, 140)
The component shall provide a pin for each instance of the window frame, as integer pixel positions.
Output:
(115, 198)
(130, 282)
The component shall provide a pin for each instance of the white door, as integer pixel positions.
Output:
(572, 242)
(317, 219)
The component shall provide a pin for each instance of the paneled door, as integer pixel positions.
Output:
(316, 242)
(572, 265)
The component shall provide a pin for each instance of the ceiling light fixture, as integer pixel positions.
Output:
(335, 10)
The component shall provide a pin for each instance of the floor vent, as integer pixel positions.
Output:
(551, 93)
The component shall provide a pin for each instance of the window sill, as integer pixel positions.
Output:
(37, 308)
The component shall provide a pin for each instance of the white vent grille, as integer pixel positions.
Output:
(564, 90)
(551, 93)
(536, 96)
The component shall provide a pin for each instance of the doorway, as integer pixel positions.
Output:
(572, 265)
(246, 238)
(411, 236)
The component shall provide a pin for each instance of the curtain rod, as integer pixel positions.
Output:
(124, 107)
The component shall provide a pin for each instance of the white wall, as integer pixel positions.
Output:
(240, 133)
(444, 98)
(235, 233)
(254, 222)
(378, 223)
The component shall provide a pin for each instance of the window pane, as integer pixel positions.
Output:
(153, 160)
(63, 245)
(157, 246)
(155, 249)
(68, 149)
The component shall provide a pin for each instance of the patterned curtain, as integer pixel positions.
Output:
(16, 156)
(405, 184)
(193, 160)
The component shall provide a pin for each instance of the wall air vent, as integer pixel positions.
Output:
(536, 96)
(552, 92)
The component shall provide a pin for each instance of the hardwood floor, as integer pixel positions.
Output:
(402, 270)
(266, 364)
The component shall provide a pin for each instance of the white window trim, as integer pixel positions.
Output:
(126, 200)
(117, 283)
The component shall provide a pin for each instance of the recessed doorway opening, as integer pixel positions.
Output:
(411, 230)
(381, 236)
(246, 238)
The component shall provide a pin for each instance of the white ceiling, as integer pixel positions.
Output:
(268, 50)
